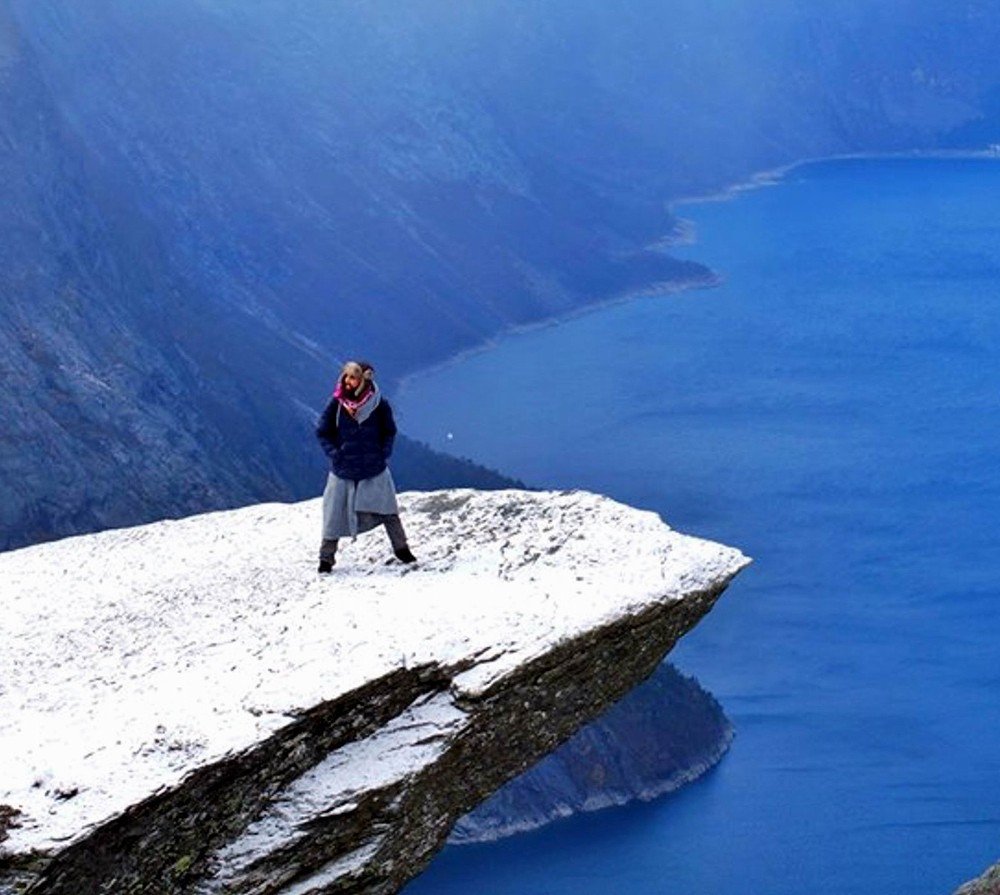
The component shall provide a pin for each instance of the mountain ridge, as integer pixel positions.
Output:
(208, 206)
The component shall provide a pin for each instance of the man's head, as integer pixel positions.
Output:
(355, 375)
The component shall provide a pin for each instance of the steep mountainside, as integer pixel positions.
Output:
(207, 204)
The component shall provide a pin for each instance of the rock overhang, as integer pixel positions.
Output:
(136, 658)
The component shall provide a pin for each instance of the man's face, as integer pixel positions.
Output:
(352, 381)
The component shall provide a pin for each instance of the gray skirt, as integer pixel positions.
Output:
(344, 499)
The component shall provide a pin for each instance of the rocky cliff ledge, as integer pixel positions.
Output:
(186, 707)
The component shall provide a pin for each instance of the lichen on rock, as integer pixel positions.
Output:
(986, 884)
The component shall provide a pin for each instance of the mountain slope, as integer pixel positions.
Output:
(207, 204)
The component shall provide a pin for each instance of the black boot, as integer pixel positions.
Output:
(403, 554)
(327, 555)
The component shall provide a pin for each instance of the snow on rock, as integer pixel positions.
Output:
(131, 659)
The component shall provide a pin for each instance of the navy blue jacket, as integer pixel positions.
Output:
(356, 450)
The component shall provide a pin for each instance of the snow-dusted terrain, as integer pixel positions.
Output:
(130, 658)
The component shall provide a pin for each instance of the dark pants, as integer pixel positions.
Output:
(367, 521)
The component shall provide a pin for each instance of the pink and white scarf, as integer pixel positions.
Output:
(353, 405)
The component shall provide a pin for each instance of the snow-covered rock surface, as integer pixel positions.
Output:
(187, 659)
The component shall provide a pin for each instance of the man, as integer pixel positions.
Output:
(357, 432)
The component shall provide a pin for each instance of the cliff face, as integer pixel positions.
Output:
(663, 734)
(201, 713)
(208, 204)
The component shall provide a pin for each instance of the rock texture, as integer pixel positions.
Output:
(665, 733)
(189, 708)
(987, 884)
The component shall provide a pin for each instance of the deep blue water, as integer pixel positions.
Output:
(834, 410)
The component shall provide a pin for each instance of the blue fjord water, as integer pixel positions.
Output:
(834, 410)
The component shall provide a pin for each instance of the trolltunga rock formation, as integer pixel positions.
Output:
(186, 707)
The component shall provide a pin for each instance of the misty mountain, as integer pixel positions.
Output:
(208, 204)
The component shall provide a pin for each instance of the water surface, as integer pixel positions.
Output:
(832, 410)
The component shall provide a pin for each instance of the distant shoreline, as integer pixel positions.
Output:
(773, 176)
(684, 233)
(709, 280)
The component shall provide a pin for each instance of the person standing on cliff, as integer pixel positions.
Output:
(357, 432)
